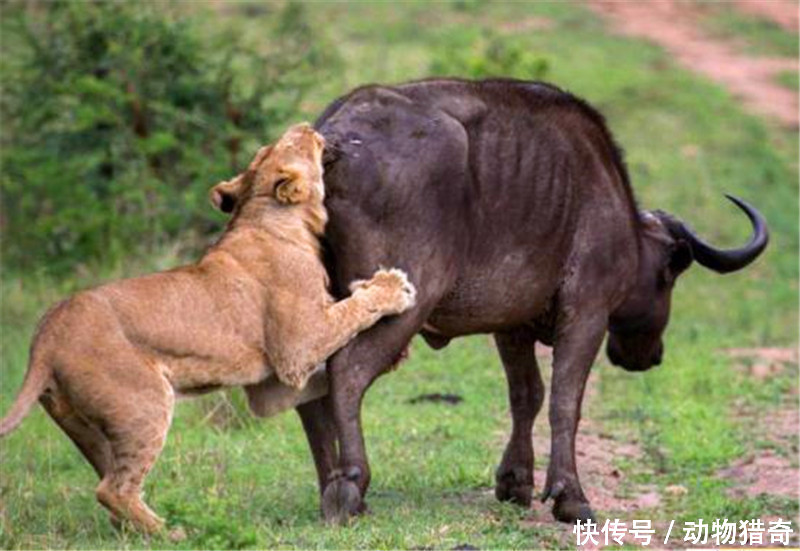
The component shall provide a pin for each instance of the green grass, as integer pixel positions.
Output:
(757, 35)
(233, 482)
(788, 79)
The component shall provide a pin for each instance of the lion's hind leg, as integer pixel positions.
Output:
(137, 431)
(130, 404)
(86, 435)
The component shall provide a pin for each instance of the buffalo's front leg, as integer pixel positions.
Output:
(526, 393)
(352, 370)
(578, 340)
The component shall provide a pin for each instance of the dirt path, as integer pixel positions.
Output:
(782, 12)
(607, 488)
(675, 27)
(771, 469)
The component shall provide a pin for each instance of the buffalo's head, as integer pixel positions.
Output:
(668, 248)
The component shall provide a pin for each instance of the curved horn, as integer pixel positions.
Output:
(726, 260)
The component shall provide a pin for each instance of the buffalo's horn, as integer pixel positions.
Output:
(724, 260)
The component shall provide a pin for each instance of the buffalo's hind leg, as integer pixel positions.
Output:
(352, 370)
(514, 476)
(321, 433)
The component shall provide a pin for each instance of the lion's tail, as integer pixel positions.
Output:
(39, 375)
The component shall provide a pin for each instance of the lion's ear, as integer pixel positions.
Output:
(261, 155)
(319, 139)
(225, 195)
(291, 190)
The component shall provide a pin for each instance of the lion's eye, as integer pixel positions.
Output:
(280, 181)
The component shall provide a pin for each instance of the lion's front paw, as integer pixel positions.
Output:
(393, 292)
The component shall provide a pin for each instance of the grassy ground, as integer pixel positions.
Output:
(757, 35)
(789, 79)
(234, 482)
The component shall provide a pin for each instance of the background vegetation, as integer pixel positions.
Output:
(117, 118)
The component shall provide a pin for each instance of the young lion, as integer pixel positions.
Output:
(107, 363)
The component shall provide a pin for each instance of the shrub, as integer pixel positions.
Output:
(118, 117)
(487, 55)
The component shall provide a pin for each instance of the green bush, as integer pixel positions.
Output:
(118, 117)
(487, 54)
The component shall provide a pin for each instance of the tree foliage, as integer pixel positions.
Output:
(118, 116)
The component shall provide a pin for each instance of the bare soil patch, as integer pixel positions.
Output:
(782, 12)
(673, 25)
(782, 355)
(608, 488)
(772, 471)
(767, 473)
(761, 363)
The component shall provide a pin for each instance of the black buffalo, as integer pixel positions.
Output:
(509, 205)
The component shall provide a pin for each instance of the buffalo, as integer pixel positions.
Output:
(509, 205)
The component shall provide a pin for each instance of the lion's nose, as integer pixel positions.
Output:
(222, 200)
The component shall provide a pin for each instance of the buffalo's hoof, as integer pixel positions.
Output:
(570, 510)
(341, 499)
(514, 485)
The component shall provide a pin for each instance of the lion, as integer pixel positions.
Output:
(108, 362)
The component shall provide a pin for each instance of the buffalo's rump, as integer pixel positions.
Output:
(475, 188)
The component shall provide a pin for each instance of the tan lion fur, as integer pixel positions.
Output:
(108, 362)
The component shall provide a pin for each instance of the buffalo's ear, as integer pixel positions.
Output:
(681, 257)
(225, 195)
(291, 190)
